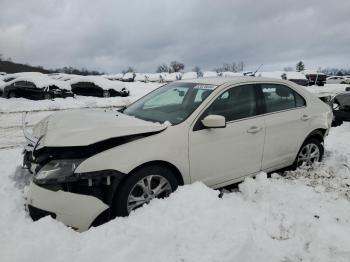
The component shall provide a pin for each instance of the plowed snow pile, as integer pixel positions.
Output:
(304, 216)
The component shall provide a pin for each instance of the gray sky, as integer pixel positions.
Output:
(111, 35)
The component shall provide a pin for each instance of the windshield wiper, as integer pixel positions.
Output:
(121, 110)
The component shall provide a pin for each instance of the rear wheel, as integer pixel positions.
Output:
(48, 96)
(310, 152)
(106, 93)
(12, 95)
(143, 186)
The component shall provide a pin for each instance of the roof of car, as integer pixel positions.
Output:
(232, 80)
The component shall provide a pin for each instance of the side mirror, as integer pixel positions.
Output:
(214, 121)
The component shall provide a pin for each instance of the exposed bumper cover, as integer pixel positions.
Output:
(75, 210)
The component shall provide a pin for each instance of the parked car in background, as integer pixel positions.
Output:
(2, 84)
(156, 77)
(114, 77)
(210, 74)
(315, 78)
(141, 77)
(97, 86)
(295, 77)
(128, 77)
(341, 107)
(91, 166)
(36, 86)
(189, 75)
(338, 80)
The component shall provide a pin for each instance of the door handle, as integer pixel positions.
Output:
(305, 117)
(254, 130)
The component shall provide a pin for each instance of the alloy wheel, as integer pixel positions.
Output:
(146, 189)
(309, 154)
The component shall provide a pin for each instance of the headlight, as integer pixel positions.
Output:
(57, 171)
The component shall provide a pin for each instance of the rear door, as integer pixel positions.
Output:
(286, 122)
(220, 155)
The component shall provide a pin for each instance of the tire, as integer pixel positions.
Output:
(309, 147)
(132, 188)
(106, 93)
(11, 95)
(48, 96)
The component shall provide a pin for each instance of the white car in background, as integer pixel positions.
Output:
(338, 80)
(91, 166)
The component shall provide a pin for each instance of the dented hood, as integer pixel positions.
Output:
(85, 127)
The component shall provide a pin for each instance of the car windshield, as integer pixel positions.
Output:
(172, 102)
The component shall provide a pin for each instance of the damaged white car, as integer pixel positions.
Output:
(91, 166)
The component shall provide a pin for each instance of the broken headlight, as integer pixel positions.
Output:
(57, 171)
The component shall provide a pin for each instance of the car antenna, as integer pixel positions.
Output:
(257, 69)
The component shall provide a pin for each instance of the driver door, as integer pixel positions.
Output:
(220, 155)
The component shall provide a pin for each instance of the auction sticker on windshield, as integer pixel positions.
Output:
(209, 87)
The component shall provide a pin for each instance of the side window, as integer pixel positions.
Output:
(299, 100)
(236, 103)
(29, 84)
(280, 97)
(20, 83)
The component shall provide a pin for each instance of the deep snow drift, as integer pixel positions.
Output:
(274, 219)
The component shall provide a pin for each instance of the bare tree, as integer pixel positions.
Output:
(129, 70)
(176, 66)
(198, 71)
(300, 66)
(230, 67)
(162, 68)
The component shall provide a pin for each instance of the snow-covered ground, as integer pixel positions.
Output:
(301, 216)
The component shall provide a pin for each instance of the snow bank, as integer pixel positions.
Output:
(210, 74)
(230, 74)
(100, 81)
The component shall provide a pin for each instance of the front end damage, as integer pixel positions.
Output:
(79, 200)
(55, 149)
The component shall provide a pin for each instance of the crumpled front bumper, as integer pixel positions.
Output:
(74, 210)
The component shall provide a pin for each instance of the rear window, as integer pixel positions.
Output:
(280, 97)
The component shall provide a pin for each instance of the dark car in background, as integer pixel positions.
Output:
(27, 89)
(316, 78)
(341, 108)
(98, 86)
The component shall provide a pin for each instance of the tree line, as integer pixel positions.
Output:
(8, 66)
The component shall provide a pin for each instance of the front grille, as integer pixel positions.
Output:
(36, 213)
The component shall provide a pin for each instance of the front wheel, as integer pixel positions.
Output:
(310, 152)
(141, 187)
(12, 95)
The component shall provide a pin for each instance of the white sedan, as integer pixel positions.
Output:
(91, 166)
